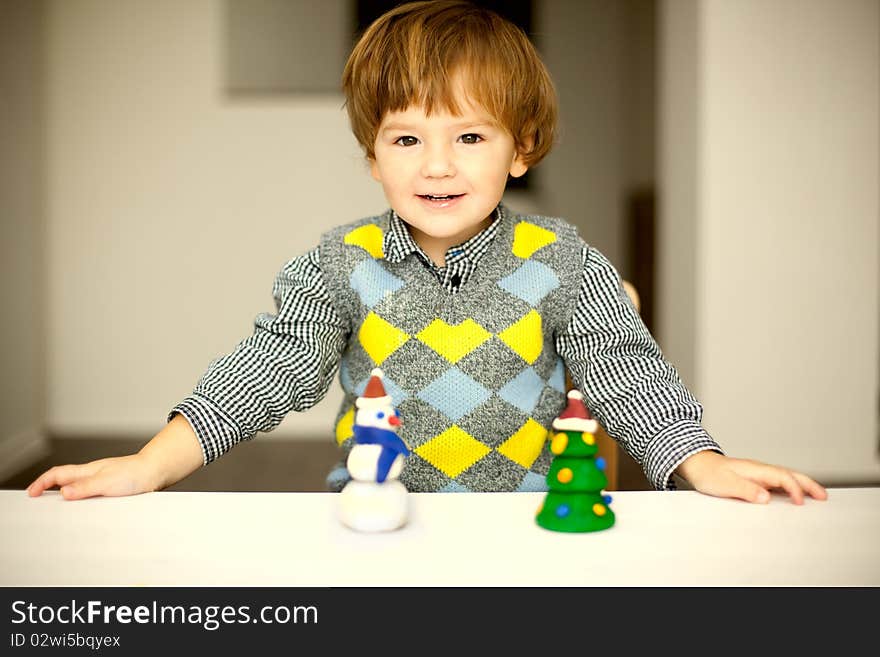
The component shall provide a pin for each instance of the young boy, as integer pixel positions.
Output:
(473, 313)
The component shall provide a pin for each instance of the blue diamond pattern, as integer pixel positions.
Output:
(337, 478)
(557, 379)
(533, 483)
(373, 283)
(454, 394)
(523, 391)
(531, 282)
(344, 375)
(454, 487)
(397, 393)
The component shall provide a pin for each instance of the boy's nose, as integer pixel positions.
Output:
(438, 162)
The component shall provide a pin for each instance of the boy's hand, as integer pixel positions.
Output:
(171, 455)
(714, 474)
(112, 477)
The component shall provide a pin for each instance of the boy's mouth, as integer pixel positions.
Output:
(440, 201)
(439, 197)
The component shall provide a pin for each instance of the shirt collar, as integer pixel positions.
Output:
(398, 242)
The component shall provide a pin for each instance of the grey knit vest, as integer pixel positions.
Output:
(475, 375)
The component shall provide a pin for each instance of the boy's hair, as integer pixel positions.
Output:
(411, 54)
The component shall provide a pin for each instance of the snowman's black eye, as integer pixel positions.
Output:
(380, 415)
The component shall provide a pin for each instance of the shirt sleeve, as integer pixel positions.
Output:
(287, 364)
(634, 393)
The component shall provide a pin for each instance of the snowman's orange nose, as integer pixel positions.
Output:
(394, 421)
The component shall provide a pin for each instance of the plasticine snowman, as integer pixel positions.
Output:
(374, 500)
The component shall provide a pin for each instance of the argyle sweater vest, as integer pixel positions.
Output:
(475, 375)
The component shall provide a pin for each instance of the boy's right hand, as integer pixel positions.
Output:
(112, 477)
(171, 455)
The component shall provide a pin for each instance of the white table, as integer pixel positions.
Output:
(490, 539)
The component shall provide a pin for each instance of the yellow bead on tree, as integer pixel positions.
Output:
(589, 438)
(559, 443)
(599, 509)
(564, 475)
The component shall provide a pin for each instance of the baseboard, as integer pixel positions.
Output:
(21, 450)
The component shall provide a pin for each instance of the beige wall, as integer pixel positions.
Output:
(678, 178)
(770, 169)
(22, 281)
(601, 57)
(172, 207)
(581, 179)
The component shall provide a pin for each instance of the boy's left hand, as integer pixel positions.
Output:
(715, 474)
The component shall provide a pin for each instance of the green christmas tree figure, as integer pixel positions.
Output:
(575, 502)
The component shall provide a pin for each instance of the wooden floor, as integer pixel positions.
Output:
(259, 465)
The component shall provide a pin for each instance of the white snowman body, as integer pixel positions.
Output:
(363, 462)
(365, 504)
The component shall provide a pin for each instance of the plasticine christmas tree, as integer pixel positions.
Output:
(575, 502)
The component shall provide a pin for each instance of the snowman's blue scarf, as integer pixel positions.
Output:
(391, 443)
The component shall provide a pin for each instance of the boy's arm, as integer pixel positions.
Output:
(286, 365)
(640, 399)
(628, 385)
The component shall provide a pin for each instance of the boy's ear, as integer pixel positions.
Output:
(518, 167)
(374, 169)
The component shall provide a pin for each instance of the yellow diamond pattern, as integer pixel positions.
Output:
(528, 238)
(453, 451)
(345, 427)
(525, 337)
(525, 445)
(369, 238)
(379, 338)
(453, 342)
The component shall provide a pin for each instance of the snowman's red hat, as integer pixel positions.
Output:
(575, 417)
(374, 394)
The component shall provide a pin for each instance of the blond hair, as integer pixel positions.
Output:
(412, 54)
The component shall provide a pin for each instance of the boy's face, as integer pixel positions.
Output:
(464, 160)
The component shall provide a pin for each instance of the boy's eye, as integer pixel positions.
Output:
(406, 140)
(471, 138)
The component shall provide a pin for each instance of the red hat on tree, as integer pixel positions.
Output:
(575, 417)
